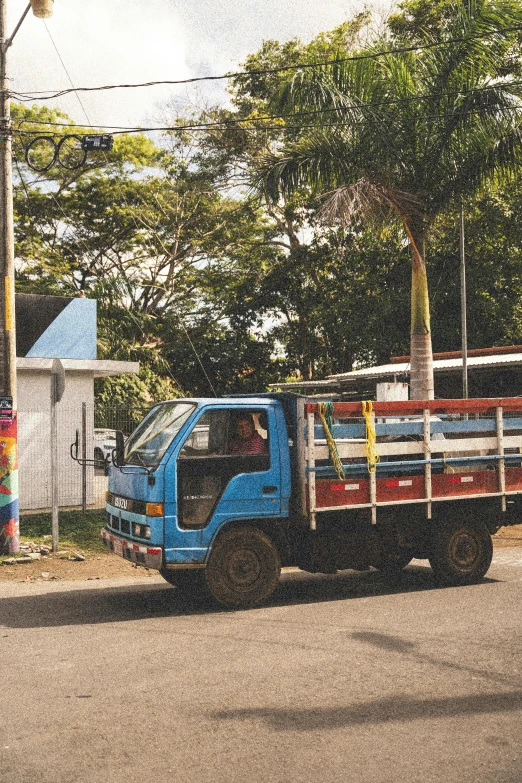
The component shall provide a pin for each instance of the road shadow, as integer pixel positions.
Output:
(400, 709)
(417, 653)
(146, 601)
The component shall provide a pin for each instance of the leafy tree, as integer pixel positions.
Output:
(411, 133)
(493, 271)
(160, 246)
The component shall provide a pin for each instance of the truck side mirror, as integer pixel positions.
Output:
(118, 453)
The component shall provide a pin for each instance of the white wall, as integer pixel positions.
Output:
(34, 438)
(392, 391)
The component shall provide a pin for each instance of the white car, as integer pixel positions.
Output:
(104, 443)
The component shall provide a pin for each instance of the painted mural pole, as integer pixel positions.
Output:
(9, 506)
(9, 514)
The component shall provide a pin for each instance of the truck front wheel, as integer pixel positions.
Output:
(461, 552)
(243, 569)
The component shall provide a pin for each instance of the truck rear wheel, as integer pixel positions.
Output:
(243, 569)
(461, 552)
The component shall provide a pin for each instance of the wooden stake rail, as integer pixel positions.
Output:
(429, 451)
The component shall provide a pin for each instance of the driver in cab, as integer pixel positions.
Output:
(247, 439)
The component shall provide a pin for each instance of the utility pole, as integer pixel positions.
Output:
(9, 528)
(11, 536)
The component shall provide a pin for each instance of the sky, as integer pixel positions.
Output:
(88, 43)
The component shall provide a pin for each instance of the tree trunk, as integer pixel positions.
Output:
(421, 353)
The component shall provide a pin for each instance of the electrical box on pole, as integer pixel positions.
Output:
(43, 9)
(101, 142)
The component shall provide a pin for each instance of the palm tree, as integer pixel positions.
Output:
(408, 132)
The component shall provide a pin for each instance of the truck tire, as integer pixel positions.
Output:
(461, 552)
(243, 569)
(190, 582)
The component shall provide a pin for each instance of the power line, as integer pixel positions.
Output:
(45, 95)
(254, 121)
(66, 71)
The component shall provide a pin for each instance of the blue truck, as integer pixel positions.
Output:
(219, 494)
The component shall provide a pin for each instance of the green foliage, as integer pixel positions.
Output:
(256, 88)
(76, 530)
(218, 360)
(216, 289)
(128, 391)
(410, 133)
(493, 272)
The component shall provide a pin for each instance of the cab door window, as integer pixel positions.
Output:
(223, 444)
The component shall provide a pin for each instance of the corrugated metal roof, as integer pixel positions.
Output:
(387, 371)
(327, 384)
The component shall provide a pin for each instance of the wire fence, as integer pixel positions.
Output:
(88, 430)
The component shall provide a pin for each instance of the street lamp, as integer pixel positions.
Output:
(9, 512)
(43, 9)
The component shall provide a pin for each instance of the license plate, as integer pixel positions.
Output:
(118, 548)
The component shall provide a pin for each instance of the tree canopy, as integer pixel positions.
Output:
(408, 131)
(215, 287)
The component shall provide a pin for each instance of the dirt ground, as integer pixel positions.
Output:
(54, 567)
(107, 566)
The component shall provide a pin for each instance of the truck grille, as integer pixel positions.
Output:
(124, 525)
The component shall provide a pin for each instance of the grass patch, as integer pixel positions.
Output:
(75, 530)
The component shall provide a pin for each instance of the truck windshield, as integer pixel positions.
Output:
(150, 440)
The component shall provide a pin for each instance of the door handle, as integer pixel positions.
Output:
(269, 490)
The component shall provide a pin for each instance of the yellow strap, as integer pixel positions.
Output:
(334, 454)
(372, 458)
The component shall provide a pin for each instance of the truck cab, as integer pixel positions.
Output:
(193, 469)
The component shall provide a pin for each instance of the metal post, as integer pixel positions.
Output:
(54, 462)
(84, 457)
(464, 328)
(57, 390)
(7, 300)
(311, 470)
(501, 462)
(428, 489)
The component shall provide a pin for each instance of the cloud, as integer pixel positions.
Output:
(96, 43)
(128, 41)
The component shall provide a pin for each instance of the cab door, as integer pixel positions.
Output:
(216, 482)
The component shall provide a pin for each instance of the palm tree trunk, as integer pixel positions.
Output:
(421, 353)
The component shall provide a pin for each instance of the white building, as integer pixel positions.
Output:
(48, 328)
(34, 429)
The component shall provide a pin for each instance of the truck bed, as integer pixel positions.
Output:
(426, 452)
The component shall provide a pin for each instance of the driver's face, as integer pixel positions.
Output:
(245, 428)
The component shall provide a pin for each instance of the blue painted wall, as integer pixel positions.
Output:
(56, 327)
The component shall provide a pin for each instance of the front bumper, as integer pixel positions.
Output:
(142, 555)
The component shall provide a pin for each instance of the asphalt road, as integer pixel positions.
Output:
(339, 678)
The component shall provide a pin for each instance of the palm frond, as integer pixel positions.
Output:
(368, 199)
